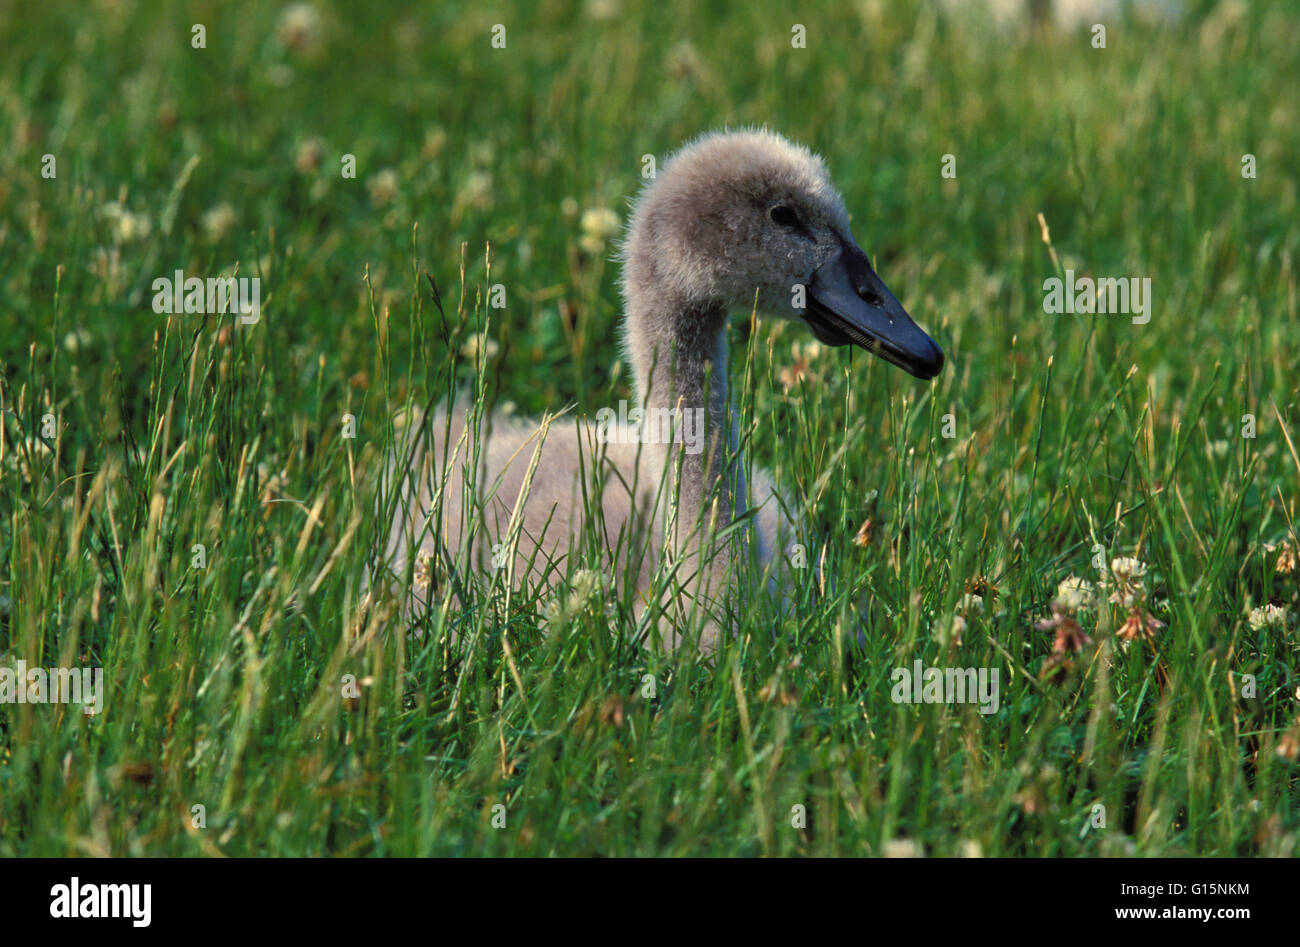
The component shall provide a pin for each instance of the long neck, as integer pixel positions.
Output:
(679, 355)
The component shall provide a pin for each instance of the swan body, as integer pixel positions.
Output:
(732, 217)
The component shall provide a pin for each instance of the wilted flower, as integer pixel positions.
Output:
(1075, 593)
(271, 485)
(1286, 558)
(1288, 747)
(34, 449)
(777, 692)
(1031, 799)
(1056, 668)
(807, 349)
(791, 374)
(1070, 635)
(1140, 624)
(613, 711)
(981, 586)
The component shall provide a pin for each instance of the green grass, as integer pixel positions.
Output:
(223, 683)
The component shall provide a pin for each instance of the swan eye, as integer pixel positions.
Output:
(784, 216)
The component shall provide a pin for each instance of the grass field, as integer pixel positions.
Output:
(1164, 723)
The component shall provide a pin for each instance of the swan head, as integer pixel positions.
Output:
(734, 214)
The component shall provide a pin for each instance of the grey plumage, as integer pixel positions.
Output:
(701, 242)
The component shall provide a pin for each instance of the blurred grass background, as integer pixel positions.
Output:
(223, 682)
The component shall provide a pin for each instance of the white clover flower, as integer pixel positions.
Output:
(128, 227)
(949, 631)
(299, 28)
(280, 75)
(470, 349)
(1128, 596)
(76, 340)
(308, 157)
(1127, 574)
(477, 190)
(1286, 556)
(598, 224)
(36, 449)
(903, 848)
(383, 186)
(423, 570)
(482, 154)
(586, 593)
(684, 61)
(219, 221)
(1125, 567)
(270, 484)
(586, 584)
(600, 11)
(806, 349)
(1078, 14)
(435, 139)
(1269, 616)
(1075, 593)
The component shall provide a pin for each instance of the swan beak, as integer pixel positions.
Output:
(849, 304)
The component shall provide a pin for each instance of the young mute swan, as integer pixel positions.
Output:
(731, 218)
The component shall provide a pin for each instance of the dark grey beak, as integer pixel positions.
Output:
(848, 304)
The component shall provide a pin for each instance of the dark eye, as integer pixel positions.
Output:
(784, 216)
